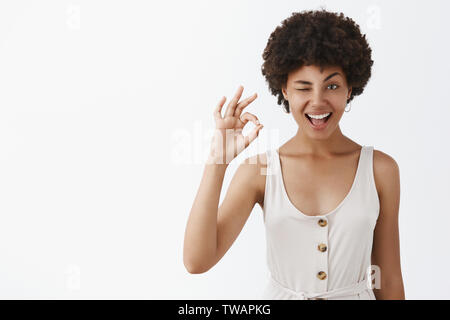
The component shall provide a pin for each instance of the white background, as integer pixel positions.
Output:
(105, 108)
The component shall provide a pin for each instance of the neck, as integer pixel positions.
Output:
(333, 144)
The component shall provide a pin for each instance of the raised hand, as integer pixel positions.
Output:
(228, 140)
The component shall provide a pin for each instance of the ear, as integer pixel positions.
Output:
(283, 90)
(349, 93)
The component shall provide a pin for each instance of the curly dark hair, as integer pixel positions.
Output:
(319, 38)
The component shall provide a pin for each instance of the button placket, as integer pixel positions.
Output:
(322, 252)
(322, 222)
(322, 247)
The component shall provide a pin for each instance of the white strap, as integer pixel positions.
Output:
(340, 292)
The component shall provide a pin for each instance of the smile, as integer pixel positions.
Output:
(319, 122)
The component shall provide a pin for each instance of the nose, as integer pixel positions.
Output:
(317, 98)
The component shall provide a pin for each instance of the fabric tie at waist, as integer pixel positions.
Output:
(336, 293)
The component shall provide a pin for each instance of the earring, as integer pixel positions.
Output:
(349, 104)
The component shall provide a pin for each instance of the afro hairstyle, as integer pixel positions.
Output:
(316, 37)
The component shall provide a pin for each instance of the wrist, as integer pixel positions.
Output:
(216, 161)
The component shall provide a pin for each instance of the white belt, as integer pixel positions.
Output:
(340, 292)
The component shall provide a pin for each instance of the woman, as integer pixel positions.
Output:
(330, 205)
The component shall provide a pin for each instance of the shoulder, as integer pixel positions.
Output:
(386, 171)
(254, 168)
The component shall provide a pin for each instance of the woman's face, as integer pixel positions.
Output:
(312, 91)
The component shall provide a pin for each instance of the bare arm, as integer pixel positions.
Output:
(211, 231)
(205, 239)
(201, 229)
(386, 245)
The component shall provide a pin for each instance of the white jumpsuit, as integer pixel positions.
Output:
(326, 256)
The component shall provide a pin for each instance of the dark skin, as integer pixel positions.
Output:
(321, 157)
(328, 158)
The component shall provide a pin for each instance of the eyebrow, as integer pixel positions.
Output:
(307, 82)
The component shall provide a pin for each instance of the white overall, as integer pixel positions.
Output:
(326, 256)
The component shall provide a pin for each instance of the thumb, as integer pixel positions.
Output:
(252, 135)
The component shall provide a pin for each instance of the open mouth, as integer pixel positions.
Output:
(318, 122)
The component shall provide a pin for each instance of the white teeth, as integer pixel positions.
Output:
(319, 116)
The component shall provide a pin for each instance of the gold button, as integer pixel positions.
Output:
(322, 222)
(322, 247)
(322, 275)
